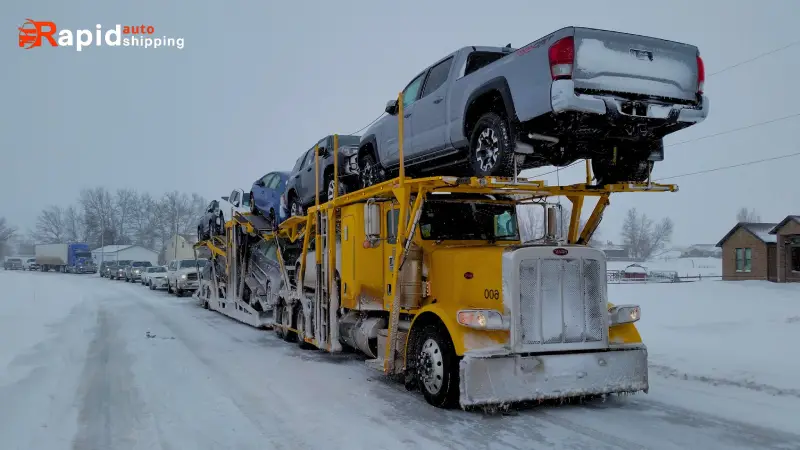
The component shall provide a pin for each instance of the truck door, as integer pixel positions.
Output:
(429, 126)
(392, 215)
(305, 184)
(389, 149)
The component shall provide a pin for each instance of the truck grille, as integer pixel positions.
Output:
(191, 276)
(562, 301)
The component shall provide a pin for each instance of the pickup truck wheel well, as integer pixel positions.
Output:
(493, 96)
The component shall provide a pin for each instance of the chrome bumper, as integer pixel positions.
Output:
(563, 99)
(493, 378)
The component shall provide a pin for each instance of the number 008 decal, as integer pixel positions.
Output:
(491, 294)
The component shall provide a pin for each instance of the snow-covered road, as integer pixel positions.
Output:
(89, 363)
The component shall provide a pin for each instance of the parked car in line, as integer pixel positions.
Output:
(301, 187)
(266, 194)
(576, 93)
(155, 277)
(106, 267)
(12, 264)
(134, 271)
(118, 270)
(30, 264)
(182, 275)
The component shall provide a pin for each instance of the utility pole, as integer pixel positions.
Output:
(176, 232)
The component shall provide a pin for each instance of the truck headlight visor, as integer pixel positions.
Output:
(482, 319)
(620, 314)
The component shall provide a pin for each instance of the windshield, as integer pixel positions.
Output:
(189, 263)
(124, 262)
(83, 254)
(468, 220)
(156, 269)
(31, 260)
(14, 260)
(142, 264)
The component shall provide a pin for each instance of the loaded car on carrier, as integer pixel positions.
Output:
(576, 93)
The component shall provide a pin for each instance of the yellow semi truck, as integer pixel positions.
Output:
(429, 278)
(451, 298)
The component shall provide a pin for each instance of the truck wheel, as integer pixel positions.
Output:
(491, 147)
(369, 170)
(437, 367)
(296, 209)
(300, 326)
(253, 209)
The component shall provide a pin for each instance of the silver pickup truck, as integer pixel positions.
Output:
(576, 93)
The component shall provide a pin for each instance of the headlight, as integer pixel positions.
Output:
(482, 319)
(183, 277)
(620, 314)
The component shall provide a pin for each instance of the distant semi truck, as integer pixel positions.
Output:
(68, 258)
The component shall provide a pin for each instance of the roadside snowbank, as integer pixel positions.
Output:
(742, 334)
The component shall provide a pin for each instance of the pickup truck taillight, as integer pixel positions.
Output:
(701, 75)
(562, 58)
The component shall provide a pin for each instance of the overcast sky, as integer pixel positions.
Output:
(260, 82)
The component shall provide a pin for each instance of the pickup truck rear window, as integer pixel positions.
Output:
(477, 60)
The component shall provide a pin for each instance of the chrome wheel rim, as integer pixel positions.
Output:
(430, 366)
(487, 149)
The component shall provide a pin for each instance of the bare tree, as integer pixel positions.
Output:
(531, 222)
(747, 215)
(6, 233)
(642, 237)
(51, 226)
(74, 225)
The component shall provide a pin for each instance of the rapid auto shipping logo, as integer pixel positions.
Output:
(34, 34)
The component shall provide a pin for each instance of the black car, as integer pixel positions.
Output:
(300, 190)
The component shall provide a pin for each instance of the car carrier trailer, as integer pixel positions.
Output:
(449, 298)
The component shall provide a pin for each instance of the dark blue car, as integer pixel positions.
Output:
(266, 196)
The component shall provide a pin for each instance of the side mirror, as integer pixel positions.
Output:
(225, 198)
(323, 152)
(260, 183)
(391, 107)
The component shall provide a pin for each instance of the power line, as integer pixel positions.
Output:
(716, 169)
(759, 56)
(733, 130)
(366, 126)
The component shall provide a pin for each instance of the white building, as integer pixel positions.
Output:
(124, 252)
(180, 247)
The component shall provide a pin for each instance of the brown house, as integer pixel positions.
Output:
(748, 252)
(762, 251)
(788, 249)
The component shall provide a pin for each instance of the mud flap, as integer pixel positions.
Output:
(491, 379)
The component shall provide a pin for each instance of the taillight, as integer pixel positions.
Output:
(562, 58)
(701, 75)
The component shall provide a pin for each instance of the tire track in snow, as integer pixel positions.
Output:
(669, 372)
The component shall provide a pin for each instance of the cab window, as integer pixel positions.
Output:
(411, 92)
(437, 76)
(392, 221)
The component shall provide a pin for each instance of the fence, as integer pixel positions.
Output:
(654, 276)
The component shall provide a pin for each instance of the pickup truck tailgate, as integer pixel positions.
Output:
(613, 62)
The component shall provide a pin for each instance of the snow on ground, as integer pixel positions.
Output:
(98, 364)
(686, 267)
(741, 333)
